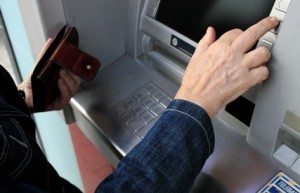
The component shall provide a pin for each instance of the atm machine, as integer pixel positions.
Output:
(144, 47)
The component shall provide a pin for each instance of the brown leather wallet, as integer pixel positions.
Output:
(63, 52)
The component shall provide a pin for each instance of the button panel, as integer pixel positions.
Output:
(279, 10)
(139, 110)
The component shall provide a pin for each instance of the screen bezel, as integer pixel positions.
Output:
(163, 33)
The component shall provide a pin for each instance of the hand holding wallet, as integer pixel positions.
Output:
(63, 52)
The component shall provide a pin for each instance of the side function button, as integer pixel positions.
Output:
(276, 29)
(265, 43)
(267, 40)
(282, 5)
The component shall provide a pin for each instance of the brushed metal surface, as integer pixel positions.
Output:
(234, 167)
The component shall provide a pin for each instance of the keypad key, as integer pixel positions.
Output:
(148, 102)
(136, 125)
(157, 109)
(140, 95)
(126, 118)
(147, 117)
(149, 88)
(157, 95)
(138, 109)
(165, 101)
(129, 102)
(118, 110)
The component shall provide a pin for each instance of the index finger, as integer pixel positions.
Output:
(249, 37)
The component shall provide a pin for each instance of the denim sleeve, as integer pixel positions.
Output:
(171, 155)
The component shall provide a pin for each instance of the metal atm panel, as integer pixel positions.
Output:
(278, 104)
(228, 167)
(140, 49)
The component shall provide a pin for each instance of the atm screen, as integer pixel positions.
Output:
(192, 17)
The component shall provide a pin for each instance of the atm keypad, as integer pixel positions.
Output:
(141, 108)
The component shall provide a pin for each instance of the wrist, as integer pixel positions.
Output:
(209, 106)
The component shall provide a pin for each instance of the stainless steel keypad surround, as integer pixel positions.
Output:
(139, 110)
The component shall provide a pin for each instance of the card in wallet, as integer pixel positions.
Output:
(63, 52)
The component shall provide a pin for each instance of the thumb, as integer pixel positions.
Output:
(207, 40)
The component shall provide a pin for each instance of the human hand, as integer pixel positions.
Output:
(67, 83)
(221, 70)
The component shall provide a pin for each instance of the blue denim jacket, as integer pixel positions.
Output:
(23, 166)
(171, 155)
